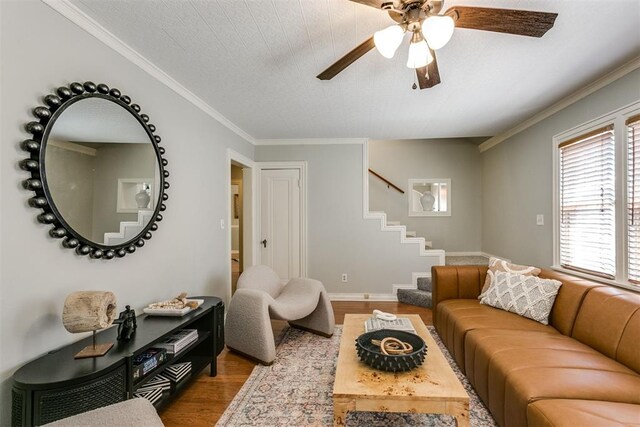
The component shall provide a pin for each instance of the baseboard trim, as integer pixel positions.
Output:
(362, 297)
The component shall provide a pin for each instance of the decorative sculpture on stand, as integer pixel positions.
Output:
(126, 324)
(88, 311)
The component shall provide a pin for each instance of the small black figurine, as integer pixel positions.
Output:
(126, 324)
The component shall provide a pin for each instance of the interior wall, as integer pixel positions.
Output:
(113, 162)
(39, 51)
(455, 159)
(517, 177)
(339, 239)
(71, 169)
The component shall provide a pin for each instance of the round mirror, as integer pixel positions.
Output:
(97, 170)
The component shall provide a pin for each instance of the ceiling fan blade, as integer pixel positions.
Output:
(347, 60)
(429, 76)
(521, 22)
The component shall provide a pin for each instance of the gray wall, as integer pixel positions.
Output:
(70, 177)
(339, 239)
(115, 161)
(39, 51)
(457, 159)
(517, 177)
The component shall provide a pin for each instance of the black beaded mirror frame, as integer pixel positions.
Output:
(56, 104)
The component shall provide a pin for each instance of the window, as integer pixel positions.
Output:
(597, 199)
(587, 203)
(633, 198)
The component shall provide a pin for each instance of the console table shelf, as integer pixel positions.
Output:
(57, 386)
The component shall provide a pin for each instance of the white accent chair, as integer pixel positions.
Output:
(260, 297)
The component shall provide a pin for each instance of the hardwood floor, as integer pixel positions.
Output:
(205, 400)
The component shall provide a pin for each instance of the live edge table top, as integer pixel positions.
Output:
(430, 388)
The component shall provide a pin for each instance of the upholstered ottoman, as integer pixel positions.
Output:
(130, 413)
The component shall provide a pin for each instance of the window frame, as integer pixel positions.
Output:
(616, 119)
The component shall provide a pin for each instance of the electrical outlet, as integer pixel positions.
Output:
(539, 219)
(222, 224)
(345, 278)
(366, 296)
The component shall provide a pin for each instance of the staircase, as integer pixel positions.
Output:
(420, 296)
(129, 229)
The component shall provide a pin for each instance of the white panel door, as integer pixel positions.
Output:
(280, 241)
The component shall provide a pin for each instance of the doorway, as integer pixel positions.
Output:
(241, 239)
(236, 225)
(282, 218)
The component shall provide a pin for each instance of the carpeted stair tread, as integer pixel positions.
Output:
(415, 297)
(424, 283)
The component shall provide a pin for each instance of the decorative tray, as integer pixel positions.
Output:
(172, 311)
(372, 355)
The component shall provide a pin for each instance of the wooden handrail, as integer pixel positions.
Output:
(386, 181)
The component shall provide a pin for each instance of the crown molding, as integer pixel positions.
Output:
(563, 103)
(312, 141)
(84, 21)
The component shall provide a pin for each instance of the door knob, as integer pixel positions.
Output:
(264, 243)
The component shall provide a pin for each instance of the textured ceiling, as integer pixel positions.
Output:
(255, 61)
(98, 120)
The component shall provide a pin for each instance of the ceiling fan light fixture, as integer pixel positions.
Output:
(419, 54)
(437, 30)
(388, 40)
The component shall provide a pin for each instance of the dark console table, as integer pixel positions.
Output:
(56, 385)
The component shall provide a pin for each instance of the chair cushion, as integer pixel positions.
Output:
(262, 278)
(298, 299)
(592, 413)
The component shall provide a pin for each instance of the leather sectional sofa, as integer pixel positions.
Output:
(583, 369)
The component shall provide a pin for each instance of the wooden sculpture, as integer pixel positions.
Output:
(88, 311)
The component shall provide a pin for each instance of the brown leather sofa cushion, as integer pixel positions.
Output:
(569, 299)
(509, 369)
(608, 321)
(459, 316)
(572, 413)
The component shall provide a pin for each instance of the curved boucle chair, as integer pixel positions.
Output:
(260, 296)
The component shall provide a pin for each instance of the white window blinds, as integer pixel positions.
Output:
(587, 203)
(633, 199)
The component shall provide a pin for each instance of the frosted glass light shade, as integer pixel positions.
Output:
(437, 30)
(388, 40)
(419, 55)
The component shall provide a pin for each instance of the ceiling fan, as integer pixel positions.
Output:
(432, 30)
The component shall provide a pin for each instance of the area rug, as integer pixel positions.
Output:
(297, 390)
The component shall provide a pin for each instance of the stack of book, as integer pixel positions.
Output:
(178, 371)
(400, 324)
(179, 340)
(159, 381)
(148, 361)
(152, 396)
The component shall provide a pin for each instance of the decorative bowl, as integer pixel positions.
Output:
(373, 356)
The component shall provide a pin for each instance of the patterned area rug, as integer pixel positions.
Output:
(296, 390)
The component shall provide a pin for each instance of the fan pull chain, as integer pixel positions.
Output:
(415, 79)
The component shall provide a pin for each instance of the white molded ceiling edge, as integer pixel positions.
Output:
(312, 141)
(84, 21)
(563, 103)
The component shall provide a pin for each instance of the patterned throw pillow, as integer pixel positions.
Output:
(497, 264)
(528, 296)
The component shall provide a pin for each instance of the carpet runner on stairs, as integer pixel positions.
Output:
(420, 297)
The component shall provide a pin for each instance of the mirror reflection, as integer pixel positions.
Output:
(102, 171)
(429, 197)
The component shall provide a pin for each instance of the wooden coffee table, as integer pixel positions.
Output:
(432, 388)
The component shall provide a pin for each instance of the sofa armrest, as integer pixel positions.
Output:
(455, 282)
